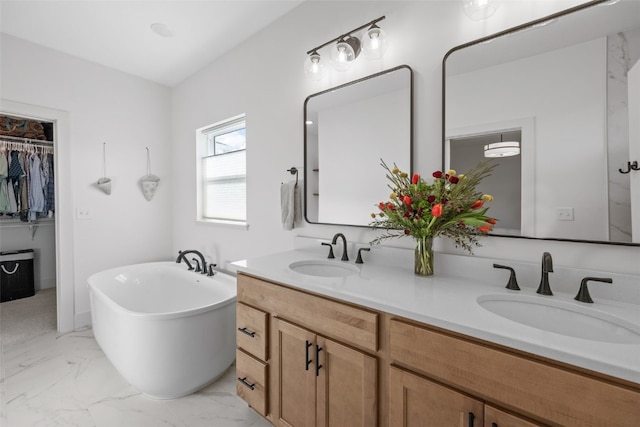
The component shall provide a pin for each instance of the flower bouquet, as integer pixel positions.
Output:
(449, 206)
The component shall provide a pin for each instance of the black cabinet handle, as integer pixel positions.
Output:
(247, 332)
(307, 361)
(494, 425)
(318, 365)
(471, 419)
(244, 381)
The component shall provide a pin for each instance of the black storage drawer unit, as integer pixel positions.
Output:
(16, 274)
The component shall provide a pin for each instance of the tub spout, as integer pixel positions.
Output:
(182, 257)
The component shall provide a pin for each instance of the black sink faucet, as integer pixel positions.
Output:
(547, 267)
(345, 256)
(182, 256)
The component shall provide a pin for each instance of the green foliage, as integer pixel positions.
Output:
(450, 206)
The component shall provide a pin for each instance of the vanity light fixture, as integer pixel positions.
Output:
(346, 49)
(502, 148)
(478, 10)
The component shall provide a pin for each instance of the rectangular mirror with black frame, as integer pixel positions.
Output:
(562, 96)
(348, 129)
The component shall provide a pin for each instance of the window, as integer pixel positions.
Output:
(223, 171)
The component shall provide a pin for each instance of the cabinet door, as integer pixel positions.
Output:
(296, 385)
(415, 401)
(494, 417)
(346, 386)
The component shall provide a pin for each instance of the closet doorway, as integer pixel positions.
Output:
(62, 223)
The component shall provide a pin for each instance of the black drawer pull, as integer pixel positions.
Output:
(471, 419)
(318, 365)
(246, 383)
(307, 361)
(494, 425)
(247, 332)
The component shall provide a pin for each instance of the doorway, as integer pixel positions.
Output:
(64, 218)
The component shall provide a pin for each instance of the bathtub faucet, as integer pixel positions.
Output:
(182, 257)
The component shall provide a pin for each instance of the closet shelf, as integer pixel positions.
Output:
(32, 226)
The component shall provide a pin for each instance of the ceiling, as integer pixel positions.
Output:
(117, 34)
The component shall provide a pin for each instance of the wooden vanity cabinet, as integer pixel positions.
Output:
(251, 356)
(322, 366)
(418, 401)
(530, 391)
(322, 382)
(308, 360)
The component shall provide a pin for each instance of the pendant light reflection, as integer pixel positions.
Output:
(314, 67)
(502, 149)
(477, 10)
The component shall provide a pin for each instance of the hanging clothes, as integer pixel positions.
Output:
(27, 183)
(51, 193)
(24, 188)
(37, 201)
(5, 205)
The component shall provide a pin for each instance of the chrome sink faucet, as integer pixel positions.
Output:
(345, 256)
(547, 267)
(182, 256)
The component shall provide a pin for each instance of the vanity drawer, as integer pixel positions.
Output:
(517, 382)
(251, 382)
(343, 322)
(251, 332)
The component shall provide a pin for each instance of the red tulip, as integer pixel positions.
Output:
(381, 205)
(436, 210)
(454, 179)
(484, 228)
(415, 178)
(431, 199)
(437, 174)
(491, 221)
(407, 200)
(407, 231)
(477, 204)
(390, 206)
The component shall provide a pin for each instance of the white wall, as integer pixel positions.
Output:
(264, 78)
(129, 114)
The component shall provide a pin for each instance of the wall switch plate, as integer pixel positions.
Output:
(84, 213)
(564, 214)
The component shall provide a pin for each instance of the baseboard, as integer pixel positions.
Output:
(45, 284)
(82, 320)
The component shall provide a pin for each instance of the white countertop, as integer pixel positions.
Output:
(386, 282)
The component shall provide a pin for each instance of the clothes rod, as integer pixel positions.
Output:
(17, 139)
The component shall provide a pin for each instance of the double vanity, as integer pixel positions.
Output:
(330, 342)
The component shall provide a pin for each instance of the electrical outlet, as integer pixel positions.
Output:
(564, 214)
(84, 213)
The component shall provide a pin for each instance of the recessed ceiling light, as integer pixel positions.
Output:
(162, 30)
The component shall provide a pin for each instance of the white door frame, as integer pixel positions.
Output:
(64, 205)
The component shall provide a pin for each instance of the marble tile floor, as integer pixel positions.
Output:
(67, 381)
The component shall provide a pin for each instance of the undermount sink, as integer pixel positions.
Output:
(321, 268)
(562, 317)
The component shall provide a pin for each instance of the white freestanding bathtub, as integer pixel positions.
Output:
(167, 330)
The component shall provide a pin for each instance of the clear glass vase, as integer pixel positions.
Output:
(424, 256)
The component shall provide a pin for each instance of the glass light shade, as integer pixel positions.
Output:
(314, 67)
(502, 149)
(342, 56)
(374, 43)
(477, 10)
